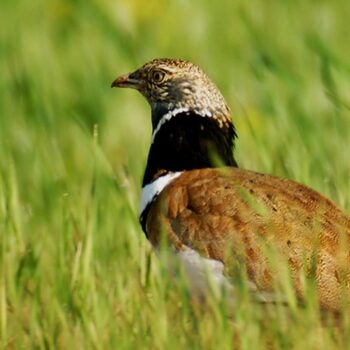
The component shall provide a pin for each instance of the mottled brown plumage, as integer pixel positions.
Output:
(237, 217)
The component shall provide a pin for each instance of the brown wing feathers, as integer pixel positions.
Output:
(210, 210)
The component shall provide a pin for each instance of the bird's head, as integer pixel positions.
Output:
(170, 84)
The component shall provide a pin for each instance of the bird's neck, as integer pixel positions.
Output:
(184, 140)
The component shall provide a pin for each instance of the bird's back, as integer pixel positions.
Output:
(257, 222)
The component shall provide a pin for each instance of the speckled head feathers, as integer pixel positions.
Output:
(170, 84)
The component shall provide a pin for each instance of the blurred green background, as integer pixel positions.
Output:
(76, 270)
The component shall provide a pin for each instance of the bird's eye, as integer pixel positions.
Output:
(158, 76)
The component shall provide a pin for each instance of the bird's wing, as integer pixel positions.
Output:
(243, 218)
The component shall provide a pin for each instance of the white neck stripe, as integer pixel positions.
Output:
(152, 190)
(166, 117)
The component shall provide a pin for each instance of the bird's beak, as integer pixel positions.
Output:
(126, 81)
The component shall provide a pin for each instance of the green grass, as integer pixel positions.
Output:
(76, 269)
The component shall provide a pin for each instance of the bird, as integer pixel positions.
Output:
(219, 219)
